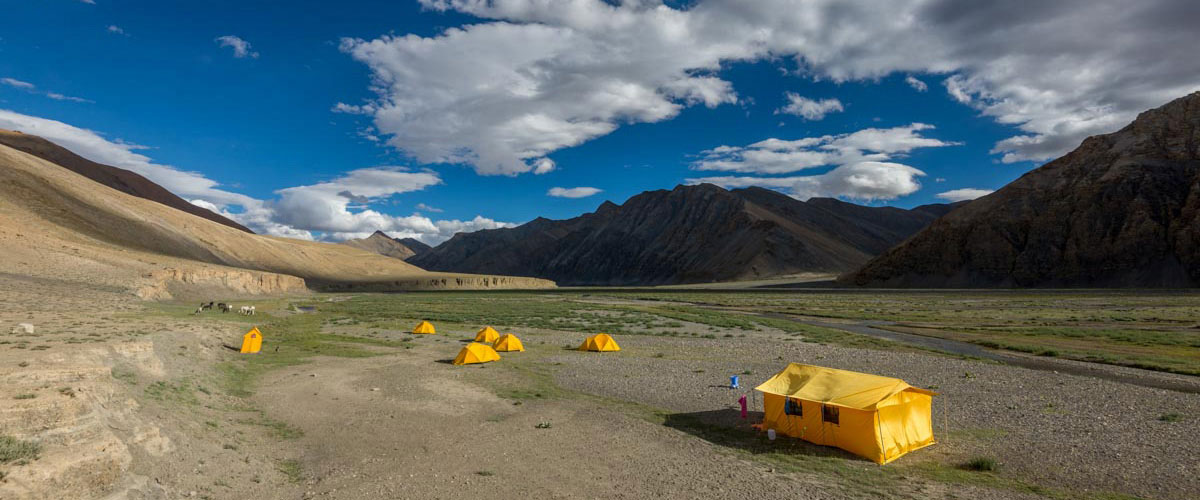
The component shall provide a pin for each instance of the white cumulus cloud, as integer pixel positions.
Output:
(534, 76)
(241, 48)
(867, 181)
(778, 156)
(916, 83)
(964, 194)
(575, 192)
(809, 109)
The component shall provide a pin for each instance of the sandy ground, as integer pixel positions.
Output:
(126, 406)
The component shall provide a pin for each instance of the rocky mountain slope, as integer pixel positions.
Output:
(382, 244)
(57, 224)
(113, 177)
(417, 246)
(691, 234)
(1121, 210)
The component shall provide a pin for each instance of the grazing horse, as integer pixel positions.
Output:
(247, 310)
(225, 307)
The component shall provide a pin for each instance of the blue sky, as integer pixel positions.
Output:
(481, 122)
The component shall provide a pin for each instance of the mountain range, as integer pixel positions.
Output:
(1122, 210)
(690, 234)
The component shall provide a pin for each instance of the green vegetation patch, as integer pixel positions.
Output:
(18, 450)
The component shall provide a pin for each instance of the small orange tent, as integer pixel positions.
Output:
(476, 353)
(252, 341)
(600, 342)
(508, 343)
(424, 327)
(880, 418)
(487, 335)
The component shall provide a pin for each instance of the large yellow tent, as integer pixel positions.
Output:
(487, 335)
(424, 327)
(600, 342)
(508, 343)
(476, 353)
(252, 341)
(880, 418)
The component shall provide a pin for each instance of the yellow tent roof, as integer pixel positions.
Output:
(509, 342)
(600, 342)
(861, 391)
(424, 327)
(476, 353)
(487, 334)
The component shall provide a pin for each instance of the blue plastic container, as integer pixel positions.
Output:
(733, 382)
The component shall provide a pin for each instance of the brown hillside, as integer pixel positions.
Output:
(113, 177)
(54, 223)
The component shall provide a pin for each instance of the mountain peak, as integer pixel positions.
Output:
(1119, 210)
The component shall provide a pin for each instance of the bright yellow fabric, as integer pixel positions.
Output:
(508, 343)
(252, 341)
(476, 353)
(879, 418)
(601, 342)
(424, 327)
(487, 335)
(861, 391)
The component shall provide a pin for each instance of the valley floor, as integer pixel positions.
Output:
(116, 398)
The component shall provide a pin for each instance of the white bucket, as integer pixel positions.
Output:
(771, 434)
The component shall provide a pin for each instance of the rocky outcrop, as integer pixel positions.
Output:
(691, 234)
(113, 177)
(180, 283)
(1122, 210)
(449, 282)
(382, 244)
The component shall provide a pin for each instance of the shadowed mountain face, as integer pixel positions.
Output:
(1121, 210)
(692, 234)
(113, 177)
(418, 247)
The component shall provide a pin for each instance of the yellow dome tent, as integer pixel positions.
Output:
(424, 327)
(600, 342)
(880, 418)
(487, 335)
(476, 353)
(252, 341)
(508, 343)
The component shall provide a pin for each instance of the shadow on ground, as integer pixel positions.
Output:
(727, 428)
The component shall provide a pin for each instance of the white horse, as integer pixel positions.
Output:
(247, 310)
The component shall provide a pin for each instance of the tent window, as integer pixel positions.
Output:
(829, 414)
(792, 407)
